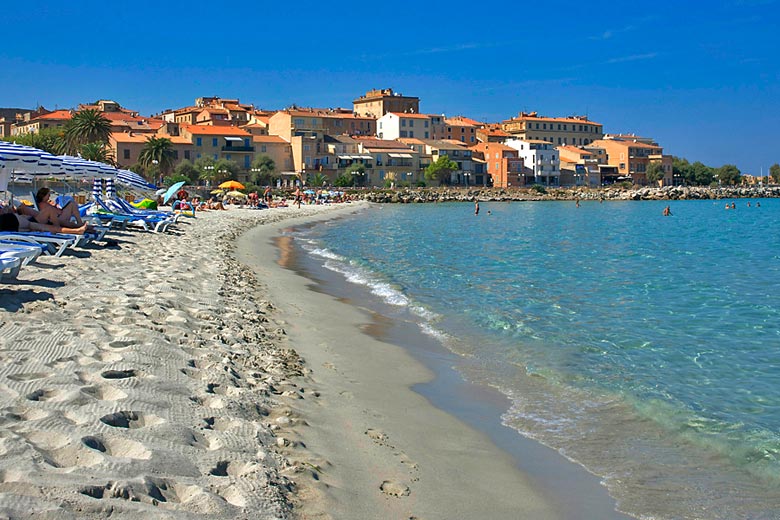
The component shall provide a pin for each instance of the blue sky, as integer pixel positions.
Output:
(703, 78)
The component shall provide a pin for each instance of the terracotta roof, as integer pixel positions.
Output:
(57, 114)
(410, 116)
(461, 121)
(411, 140)
(495, 131)
(627, 143)
(373, 142)
(215, 130)
(268, 139)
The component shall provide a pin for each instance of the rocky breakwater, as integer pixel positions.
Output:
(453, 194)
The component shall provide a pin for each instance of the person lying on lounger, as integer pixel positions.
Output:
(10, 221)
(49, 213)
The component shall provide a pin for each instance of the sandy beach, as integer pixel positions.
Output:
(190, 375)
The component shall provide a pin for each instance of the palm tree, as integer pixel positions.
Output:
(96, 152)
(157, 149)
(86, 126)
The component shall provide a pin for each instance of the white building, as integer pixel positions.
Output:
(395, 125)
(540, 159)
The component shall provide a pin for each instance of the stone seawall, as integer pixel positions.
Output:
(423, 195)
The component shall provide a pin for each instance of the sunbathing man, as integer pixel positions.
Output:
(10, 221)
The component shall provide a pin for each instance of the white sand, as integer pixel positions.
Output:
(155, 380)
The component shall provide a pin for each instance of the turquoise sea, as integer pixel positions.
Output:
(645, 348)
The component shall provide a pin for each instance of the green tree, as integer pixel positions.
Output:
(86, 126)
(226, 170)
(206, 170)
(358, 172)
(701, 174)
(48, 139)
(774, 172)
(682, 168)
(441, 169)
(96, 152)
(188, 170)
(159, 151)
(655, 172)
(264, 169)
(318, 180)
(344, 181)
(728, 174)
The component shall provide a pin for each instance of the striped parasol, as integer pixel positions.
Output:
(133, 180)
(97, 187)
(110, 191)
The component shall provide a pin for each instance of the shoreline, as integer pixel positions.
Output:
(435, 423)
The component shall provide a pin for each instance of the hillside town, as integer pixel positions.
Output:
(384, 140)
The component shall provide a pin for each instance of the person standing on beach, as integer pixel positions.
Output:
(476, 207)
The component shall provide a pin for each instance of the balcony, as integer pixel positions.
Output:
(238, 148)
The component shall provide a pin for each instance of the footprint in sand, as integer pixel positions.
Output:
(395, 489)
(130, 419)
(117, 447)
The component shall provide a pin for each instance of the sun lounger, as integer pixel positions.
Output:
(9, 267)
(148, 223)
(56, 243)
(125, 207)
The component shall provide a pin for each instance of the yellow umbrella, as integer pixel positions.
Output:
(214, 192)
(231, 185)
(237, 194)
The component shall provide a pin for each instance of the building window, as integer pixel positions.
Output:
(496, 166)
(411, 123)
(426, 124)
(411, 134)
(126, 153)
(214, 142)
(246, 142)
(263, 148)
(403, 122)
(198, 141)
(176, 155)
(187, 154)
(380, 125)
(426, 134)
(227, 157)
(403, 133)
(306, 148)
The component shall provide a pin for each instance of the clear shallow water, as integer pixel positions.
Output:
(646, 348)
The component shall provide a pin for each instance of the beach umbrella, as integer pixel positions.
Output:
(231, 185)
(236, 194)
(217, 192)
(97, 187)
(172, 191)
(160, 191)
(134, 180)
(110, 191)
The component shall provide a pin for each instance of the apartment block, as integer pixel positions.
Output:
(400, 125)
(503, 164)
(378, 102)
(632, 157)
(575, 130)
(541, 162)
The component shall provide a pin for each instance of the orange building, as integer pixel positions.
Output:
(575, 130)
(503, 164)
(633, 157)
